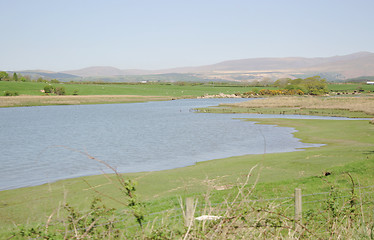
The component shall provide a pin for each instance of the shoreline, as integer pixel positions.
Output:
(29, 100)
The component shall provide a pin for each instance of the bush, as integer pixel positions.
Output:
(57, 90)
(312, 86)
(60, 90)
(11, 93)
(49, 89)
(281, 92)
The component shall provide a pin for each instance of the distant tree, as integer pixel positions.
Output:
(266, 81)
(55, 81)
(40, 79)
(295, 87)
(282, 82)
(49, 89)
(4, 76)
(15, 77)
(25, 78)
(312, 85)
(315, 85)
(296, 81)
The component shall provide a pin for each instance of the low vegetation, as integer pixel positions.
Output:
(339, 214)
(322, 106)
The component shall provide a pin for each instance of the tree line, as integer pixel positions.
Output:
(17, 77)
(311, 85)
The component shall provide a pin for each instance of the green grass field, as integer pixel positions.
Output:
(349, 148)
(351, 87)
(150, 89)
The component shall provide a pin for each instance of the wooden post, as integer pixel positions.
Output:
(189, 212)
(298, 208)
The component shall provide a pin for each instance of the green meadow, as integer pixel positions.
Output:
(351, 87)
(178, 89)
(148, 89)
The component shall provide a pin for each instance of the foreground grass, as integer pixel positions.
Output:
(349, 148)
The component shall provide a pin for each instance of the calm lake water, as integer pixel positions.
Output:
(130, 137)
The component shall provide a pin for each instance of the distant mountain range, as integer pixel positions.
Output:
(252, 69)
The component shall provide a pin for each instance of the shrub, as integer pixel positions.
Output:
(49, 89)
(99, 223)
(11, 93)
(60, 90)
(281, 92)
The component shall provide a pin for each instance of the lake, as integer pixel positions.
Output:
(36, 142)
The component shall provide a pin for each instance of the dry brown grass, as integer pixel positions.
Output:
(16, 101)
(359, 104)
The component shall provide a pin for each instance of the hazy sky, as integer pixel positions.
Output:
(71, 34)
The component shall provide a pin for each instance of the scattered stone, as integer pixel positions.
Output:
(208, 217)
(221, 95)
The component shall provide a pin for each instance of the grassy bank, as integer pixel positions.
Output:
(349, 148)
(354, 107)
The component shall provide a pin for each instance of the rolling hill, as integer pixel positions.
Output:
(332, 68)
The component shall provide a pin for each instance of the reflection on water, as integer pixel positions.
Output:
(131, 137)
